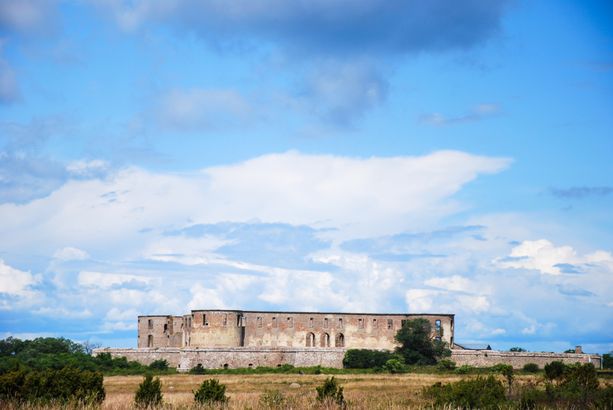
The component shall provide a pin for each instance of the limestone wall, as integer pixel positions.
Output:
(486, 358)
(211, 358)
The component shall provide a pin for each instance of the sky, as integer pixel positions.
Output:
(330, 155)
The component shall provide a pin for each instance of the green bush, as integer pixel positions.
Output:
(446, 364)
(395, 366)
(211, 392)
(149, 393)
(554, 370)
(531, 368)
(161, 364)
(331, 391)
(273, 399)
(464, 369)
(482, 393)
(67, 385)
(198, 369)
(366, 358)
(530, 397)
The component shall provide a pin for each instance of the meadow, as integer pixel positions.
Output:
(362, 391)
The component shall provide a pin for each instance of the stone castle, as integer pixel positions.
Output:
(239, 328)
(246, 338)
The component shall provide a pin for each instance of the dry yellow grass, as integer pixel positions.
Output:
(362, 391)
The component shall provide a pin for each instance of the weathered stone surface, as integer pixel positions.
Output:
(235, 328)
(244, 357)
(486, 358)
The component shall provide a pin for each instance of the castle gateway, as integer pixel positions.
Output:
(246, 328)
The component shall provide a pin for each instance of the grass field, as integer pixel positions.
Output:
(364, 391)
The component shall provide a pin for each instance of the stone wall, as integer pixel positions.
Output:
(486, 358)
(212, 358)
(215, 358)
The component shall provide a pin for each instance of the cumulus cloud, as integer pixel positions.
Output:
(203, 109)
(26, 16)
(339, 92)
(543, 256)
(336, 26)
(70, 253)
(15, 282)
(477, 113)
(298, 189)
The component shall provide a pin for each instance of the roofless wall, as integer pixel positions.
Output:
(237, 328)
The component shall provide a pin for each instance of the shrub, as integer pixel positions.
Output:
(554, 370)
(531, 398)
(482, 393)
(446, 364)
(273, 399)
(579, 383)
(149, 393)
(331, 391)
(464, 369)
(67, 385)
(199, 369)
(366, 359)
(211, 392)
(395, 366)
(531, 367)
(517, 349)
(507, 371)
(161, 364)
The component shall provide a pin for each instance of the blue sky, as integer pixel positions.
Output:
(372, 156)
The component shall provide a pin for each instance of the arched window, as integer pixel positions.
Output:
(310, 340)
(437, 327)
(150, 341)
(339, 341)
(325, 340)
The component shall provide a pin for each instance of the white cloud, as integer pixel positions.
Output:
(201, 109)
(359, 196)
(109, 280)
(543, 256)
(453, 283)
(16, 282)
(63, 312)
(70, 253)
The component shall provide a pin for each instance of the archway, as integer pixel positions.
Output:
(310, 340)
(339, 341)
(325, 340)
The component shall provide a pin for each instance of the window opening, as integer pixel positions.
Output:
(310, 340)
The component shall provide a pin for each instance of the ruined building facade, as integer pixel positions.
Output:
(254, 329)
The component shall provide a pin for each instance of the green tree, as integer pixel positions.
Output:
(331, 391)
(211, 392)
(417, 345)
(149, 393)
(607, 360)
(517, 349)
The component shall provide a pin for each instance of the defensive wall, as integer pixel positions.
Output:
(215, 358)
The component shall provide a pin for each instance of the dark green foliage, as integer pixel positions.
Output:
(507, 371)
(198, 369)
(517, 349)
(161, 364)
(446, 364)
(367, 359)
(607, 360)
(464, 369)
(57, 353)
(531, 368)
(579, 383)
(331, 391)
(211, 392)
(569, 351)
(67, 385)
(417, 346)
(149, 393)
(554, 370)
(395, 366)
(482, 393)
